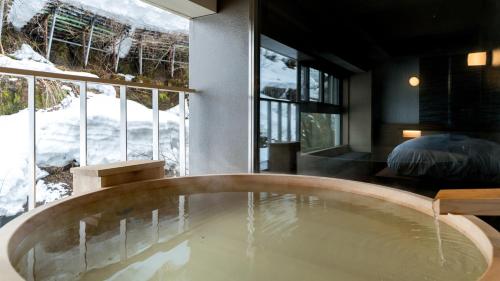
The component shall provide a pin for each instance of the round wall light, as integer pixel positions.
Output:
(414, 81)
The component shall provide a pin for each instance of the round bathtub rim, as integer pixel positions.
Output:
(484, 236)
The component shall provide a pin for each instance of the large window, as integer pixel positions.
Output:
(278, 76)
(321, 110)
(319, 87)
(331, 89)
(278, 103)
(290, 122)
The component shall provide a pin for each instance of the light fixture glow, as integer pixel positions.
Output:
(495, 60)
(411, 134)
(477, 59)
(414, 81)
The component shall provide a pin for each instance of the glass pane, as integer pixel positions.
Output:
(304, 83)
(332, 89)
(264, 115)
(139, 124)
(314, 84)
(278, 76)
(293, 124)
(337, 128)
(319, 131)
(168, 104)
(327, 89)
(265, 134)
(14, 143)
(188, 114)
(284, 121)
(103, 124)
(57, 138)
(274, 121)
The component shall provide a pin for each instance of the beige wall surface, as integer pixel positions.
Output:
(209, 4)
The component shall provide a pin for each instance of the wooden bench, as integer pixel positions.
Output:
(92, 178)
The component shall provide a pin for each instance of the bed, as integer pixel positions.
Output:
(447, 157)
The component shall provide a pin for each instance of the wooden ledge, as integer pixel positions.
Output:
(92, 178)
(116, 168)
(480, 202)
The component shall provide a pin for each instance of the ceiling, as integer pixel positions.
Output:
(186, 8)
(363, 33)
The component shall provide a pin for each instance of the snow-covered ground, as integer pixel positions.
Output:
(134, 12)
(275, 73)
(58, 133)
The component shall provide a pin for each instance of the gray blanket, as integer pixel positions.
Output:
(447, 157)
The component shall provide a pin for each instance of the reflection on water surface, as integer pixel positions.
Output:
(247, 236)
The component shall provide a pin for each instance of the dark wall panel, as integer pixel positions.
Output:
(434, 91)
(459, 97)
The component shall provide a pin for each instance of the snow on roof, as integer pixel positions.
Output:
(22, 11)
(134, 12)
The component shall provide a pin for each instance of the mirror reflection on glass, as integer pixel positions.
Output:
(410, 100)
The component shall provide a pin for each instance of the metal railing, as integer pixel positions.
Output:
(83, 81)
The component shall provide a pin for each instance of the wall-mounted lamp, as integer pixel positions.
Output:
(412, 134)
(495, 59)
(477, 59)
(414, 81)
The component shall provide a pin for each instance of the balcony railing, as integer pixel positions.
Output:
(83, 81)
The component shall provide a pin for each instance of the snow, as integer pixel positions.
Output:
(58, 133)
(22, 59)
(50, 192)
(274, 71)
(22, 11)
(133, 12)
(26, 53)
(136, 13)
(127, 77)
(27, 58)
(123, 48)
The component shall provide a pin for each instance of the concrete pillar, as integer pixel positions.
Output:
(219, 63)
(360, 112)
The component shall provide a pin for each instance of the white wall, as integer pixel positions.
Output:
(219, 68)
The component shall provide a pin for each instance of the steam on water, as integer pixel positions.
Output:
(157, 235)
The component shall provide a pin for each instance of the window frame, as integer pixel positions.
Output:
(322, 107)
(283, 103)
